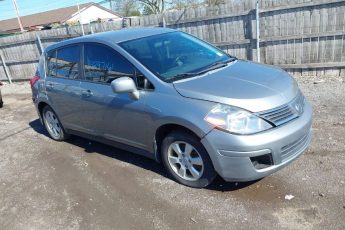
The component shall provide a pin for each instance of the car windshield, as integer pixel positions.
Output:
(176, 55)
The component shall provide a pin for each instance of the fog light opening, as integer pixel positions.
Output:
(263, 161)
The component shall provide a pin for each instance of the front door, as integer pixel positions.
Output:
(116, 117)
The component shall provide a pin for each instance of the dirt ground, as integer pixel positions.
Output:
(81, 184)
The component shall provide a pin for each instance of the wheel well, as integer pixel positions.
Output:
(41, 105)
(164, 130)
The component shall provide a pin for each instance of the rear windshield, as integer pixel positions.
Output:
(172, 54)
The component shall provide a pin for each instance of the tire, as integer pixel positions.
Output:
(186, 160)
(53, 124)
(1, 102)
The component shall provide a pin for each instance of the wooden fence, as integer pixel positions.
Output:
(302, 36)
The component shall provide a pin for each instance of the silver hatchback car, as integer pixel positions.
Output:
(169, 96)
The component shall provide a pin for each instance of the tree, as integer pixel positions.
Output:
(127, 8)
(135, 13)
(158, 6)
(153, 6)
(182, 4)
(214, 2)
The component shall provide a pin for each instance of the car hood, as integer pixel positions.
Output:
(248, 85)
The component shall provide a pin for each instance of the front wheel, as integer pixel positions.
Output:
(53, 124)
(1, 102)
(186, 160)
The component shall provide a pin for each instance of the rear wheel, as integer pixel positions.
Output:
(53, 124)
(186, 160)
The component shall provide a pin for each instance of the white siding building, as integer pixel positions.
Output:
(92, 13)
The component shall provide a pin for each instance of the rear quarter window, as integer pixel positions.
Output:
(41, 69)
(51, 63)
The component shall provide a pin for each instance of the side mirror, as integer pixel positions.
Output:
(125, 85)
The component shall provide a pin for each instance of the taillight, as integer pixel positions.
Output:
(34, 80)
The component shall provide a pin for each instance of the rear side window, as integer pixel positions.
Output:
(51, 64)
(102, 64)
(67, 62)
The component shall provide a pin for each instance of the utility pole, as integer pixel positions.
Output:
(81, 24)
(257, 31)
(163, 15)
(18, 17)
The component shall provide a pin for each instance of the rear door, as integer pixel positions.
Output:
(116, 117)
(63, 84)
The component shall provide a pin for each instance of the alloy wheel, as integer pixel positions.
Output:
(185, 161)
(53, 124)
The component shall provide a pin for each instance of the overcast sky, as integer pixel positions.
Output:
(27, 7)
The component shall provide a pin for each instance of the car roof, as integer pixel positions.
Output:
(113, 36)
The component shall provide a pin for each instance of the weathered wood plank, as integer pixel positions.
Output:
(293, 32)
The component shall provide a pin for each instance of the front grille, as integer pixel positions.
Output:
(295, 147)
(285, 113)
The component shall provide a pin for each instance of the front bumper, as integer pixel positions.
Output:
(232, 155)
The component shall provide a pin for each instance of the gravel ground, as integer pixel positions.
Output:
(81, 184)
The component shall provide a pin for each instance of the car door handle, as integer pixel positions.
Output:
(87, 93)
(50, 86)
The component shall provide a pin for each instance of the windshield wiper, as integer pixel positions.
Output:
(181, 76)
(218, 64)
(213, 66)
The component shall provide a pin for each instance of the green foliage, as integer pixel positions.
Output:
(55, 25)
(147, 10)
(153, 6)
(127, 8)
(214, 2)
(183, 4)
(146, 7)
(135, 13)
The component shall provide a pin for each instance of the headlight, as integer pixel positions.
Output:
(235, 120)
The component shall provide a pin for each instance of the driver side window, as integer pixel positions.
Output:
(102, 65)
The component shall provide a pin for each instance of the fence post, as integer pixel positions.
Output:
(40, 47)
(7, 72)
(163, 19)
(257, 31)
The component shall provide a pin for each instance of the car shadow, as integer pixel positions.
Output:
(38, 127)
(219, 184)
(90, 146)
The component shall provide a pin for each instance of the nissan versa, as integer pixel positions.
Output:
(169, 96)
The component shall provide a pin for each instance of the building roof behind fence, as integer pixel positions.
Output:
(45, 18)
